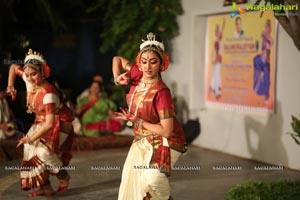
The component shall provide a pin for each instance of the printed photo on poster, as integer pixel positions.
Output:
(240, 61)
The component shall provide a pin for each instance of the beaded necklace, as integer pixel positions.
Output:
(144, 82)
(31, 104)
(129, 123)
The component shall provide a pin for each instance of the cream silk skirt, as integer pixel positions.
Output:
(38, 161)
(138, 178)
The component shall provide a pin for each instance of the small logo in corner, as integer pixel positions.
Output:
(236, 10)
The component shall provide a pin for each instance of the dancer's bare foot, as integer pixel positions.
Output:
(44, 191)
(63, 184)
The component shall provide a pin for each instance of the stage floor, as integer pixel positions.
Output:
(199, 174)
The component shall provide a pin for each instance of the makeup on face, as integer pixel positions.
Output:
(33, 76)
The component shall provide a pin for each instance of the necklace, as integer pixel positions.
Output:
(31, 104)
(145, 82)
(31, 97)
(140, 99)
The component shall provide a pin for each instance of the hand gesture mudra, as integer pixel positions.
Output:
(125, 115)
(122, 79)
(11, 91)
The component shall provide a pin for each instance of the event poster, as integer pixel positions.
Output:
(241, 61)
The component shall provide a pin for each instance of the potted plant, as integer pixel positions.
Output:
(296, 128)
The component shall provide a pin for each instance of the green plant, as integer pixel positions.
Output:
(296, 128)
(259, 190)
(123, 23)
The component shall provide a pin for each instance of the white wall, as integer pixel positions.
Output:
(251, 135)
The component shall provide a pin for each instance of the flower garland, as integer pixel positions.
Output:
(46, 69)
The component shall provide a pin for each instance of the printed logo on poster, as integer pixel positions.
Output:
(237, 10)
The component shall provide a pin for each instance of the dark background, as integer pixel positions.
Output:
(70, 44)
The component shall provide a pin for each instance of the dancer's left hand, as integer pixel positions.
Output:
(23, 140)
(125, 115)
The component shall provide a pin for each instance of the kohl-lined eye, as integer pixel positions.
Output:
(153, 62)
(31, 74)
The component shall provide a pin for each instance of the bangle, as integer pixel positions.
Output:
(127, 67)
(28, 139)
(10, 87)
(141, 123)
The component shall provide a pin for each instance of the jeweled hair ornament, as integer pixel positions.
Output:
(34, 56)
(36, 60)
(151, 41)
(151, 44)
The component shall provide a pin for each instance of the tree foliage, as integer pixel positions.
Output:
(125, 22)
